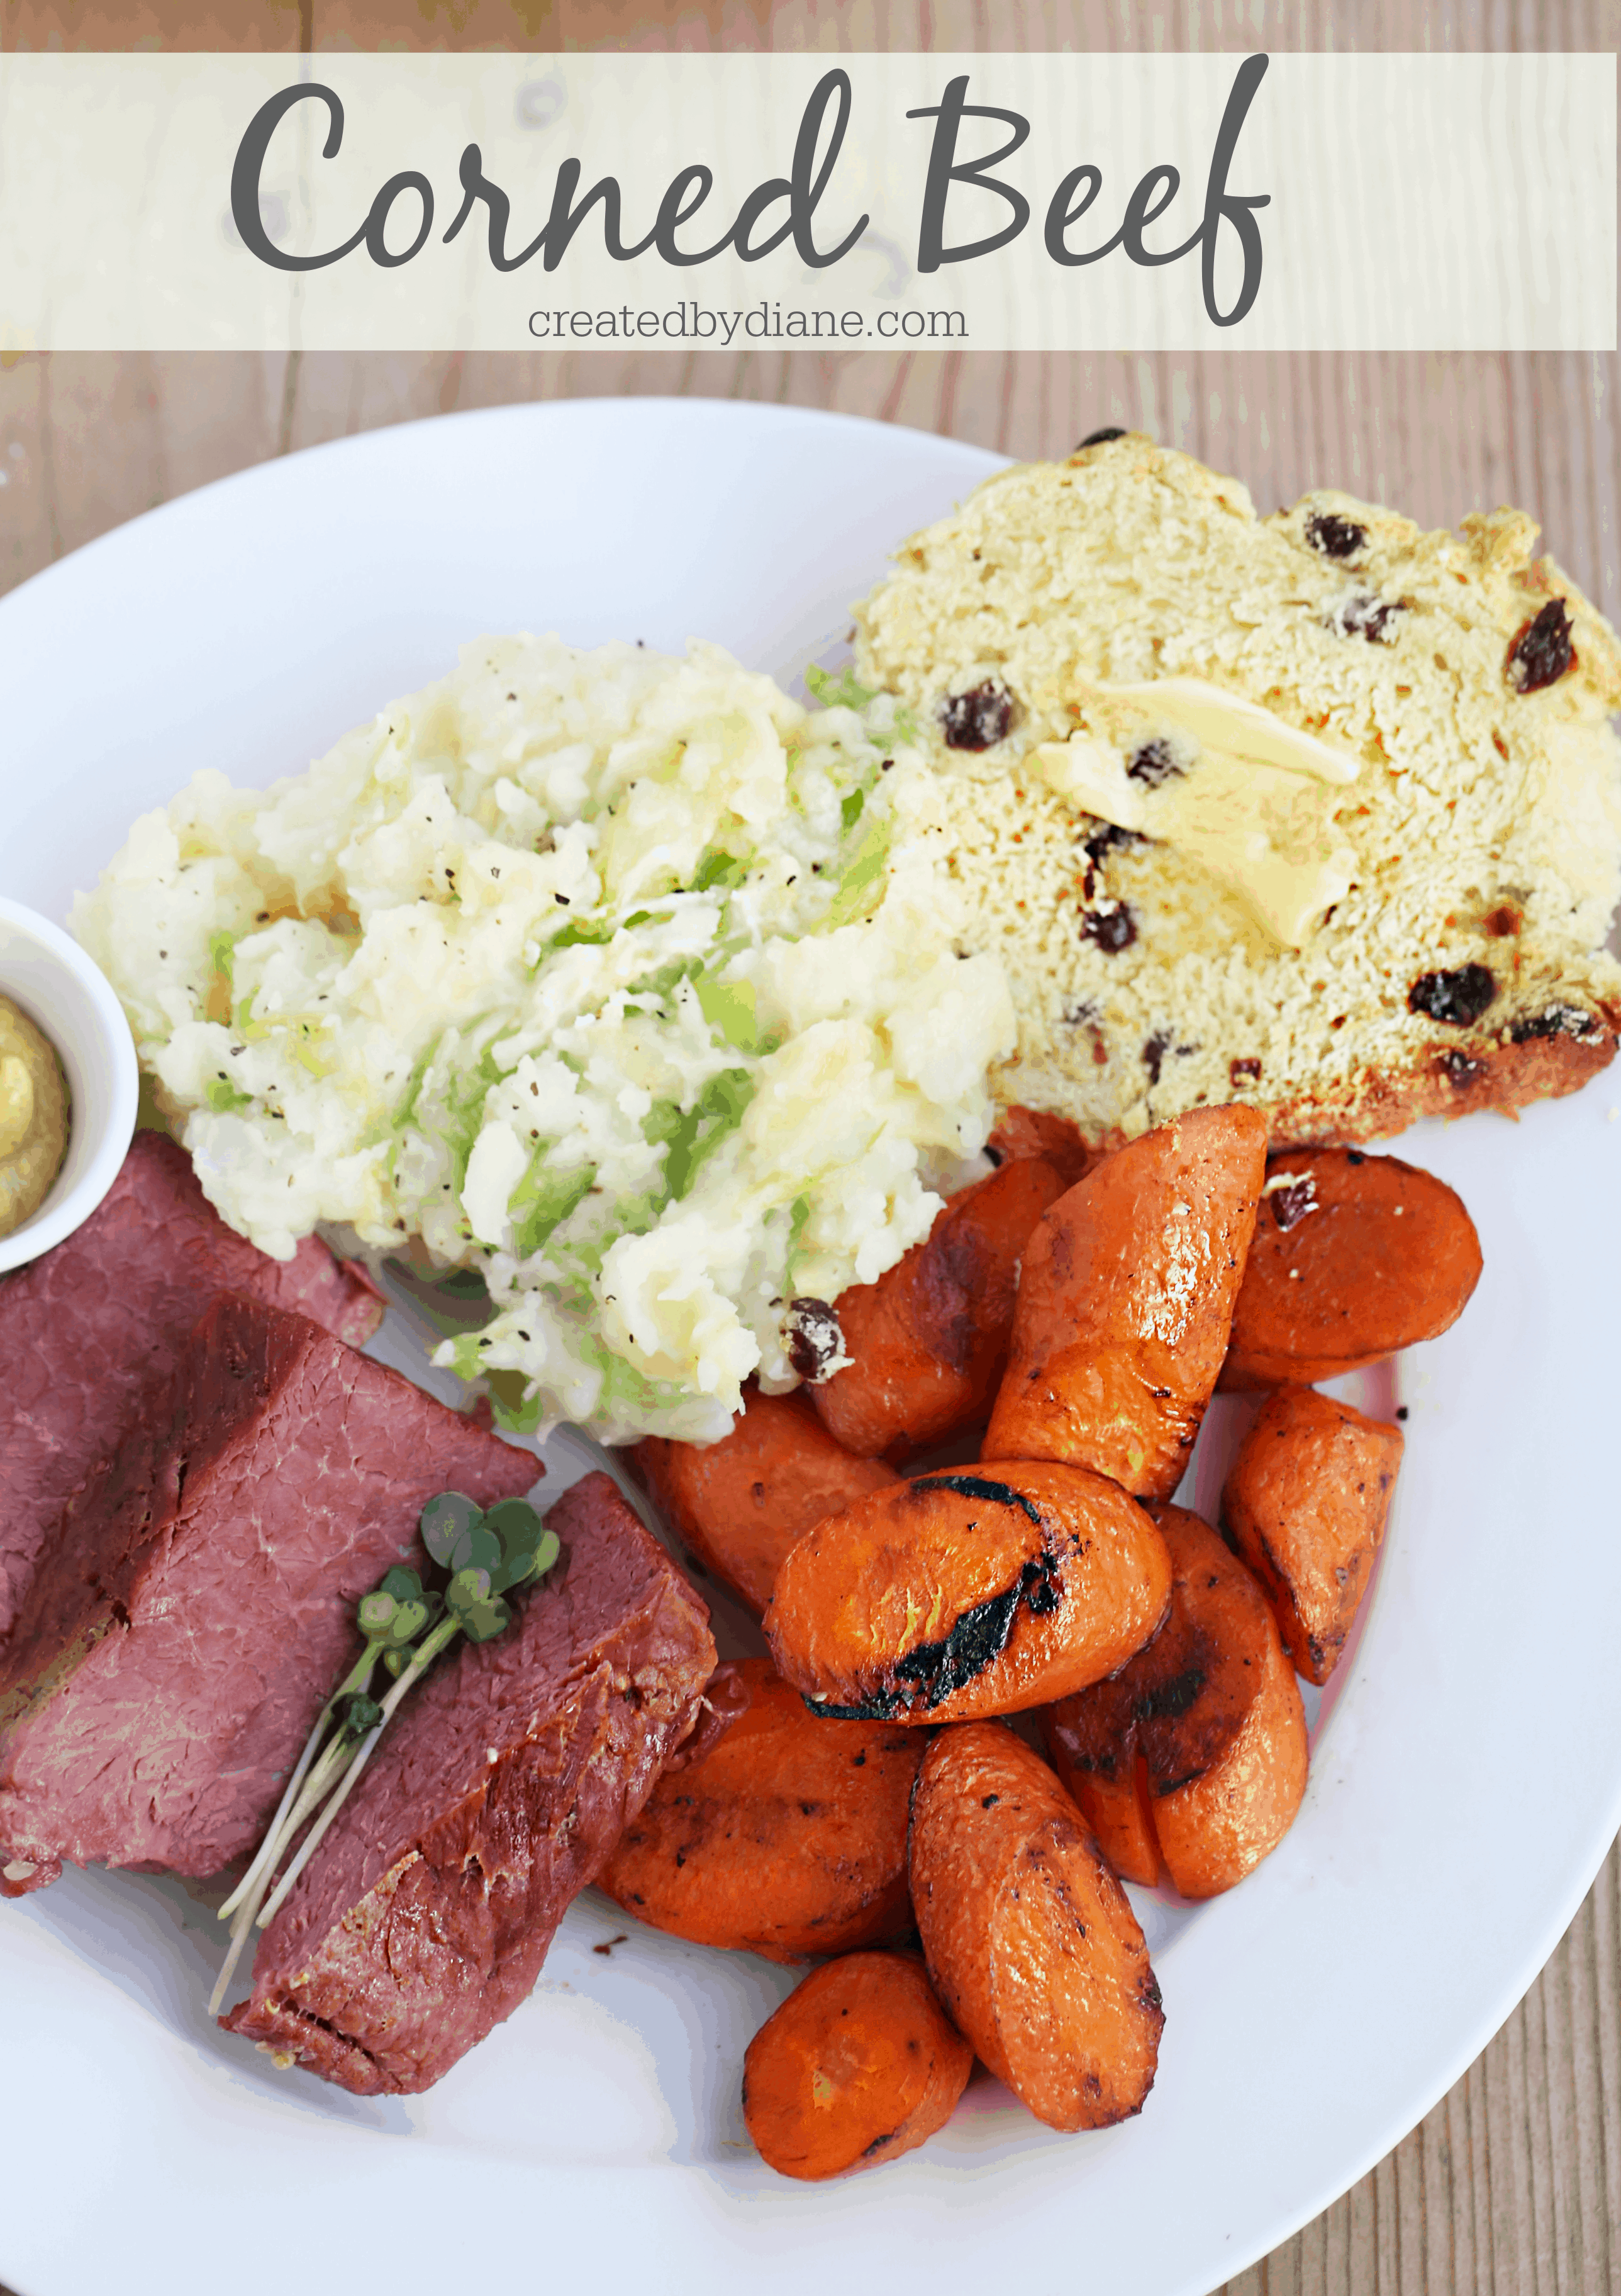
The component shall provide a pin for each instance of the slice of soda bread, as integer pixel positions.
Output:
(1316, 811)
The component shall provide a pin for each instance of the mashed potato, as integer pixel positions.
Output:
(605, 974)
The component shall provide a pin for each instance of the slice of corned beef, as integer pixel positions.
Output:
(89, 1334)
(496, 1793)
(182, 1633)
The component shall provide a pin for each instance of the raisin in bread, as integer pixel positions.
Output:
(1401, 910)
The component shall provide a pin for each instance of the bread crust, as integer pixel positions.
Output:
(1508, 1077)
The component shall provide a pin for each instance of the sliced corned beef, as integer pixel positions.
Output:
(180, 1636)
(496, 1793)
(89, 1334)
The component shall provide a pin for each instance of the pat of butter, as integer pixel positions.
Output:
(1232, 787)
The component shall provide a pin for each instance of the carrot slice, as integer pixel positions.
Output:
(1111, 1791)
(983, 1590)
(1212, 1706)
(859, 2065)
(1126, 1300)
(927, 1342)
(1036, 1132)
(1307, 1501)
(1355, 1256)
(741, 1503)
(783, 1834)
(1035, 1952)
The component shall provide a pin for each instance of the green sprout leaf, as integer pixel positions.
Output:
(485, 1555)
(375, 1613)
(476, 1607)
(356, 1714)
(408, 1623)
(539, 1561)
(442, 1523)
(515, 1524)
(476, 1549)
(527, 1548)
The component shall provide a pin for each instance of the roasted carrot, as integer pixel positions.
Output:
(1033, 1132)
(783, 1834)
(1211, 1708)
(1126, 1300)
(1355, 1256)
(1112, 1794)
(1034, 1950)
(741, 1503)
(984, 1590)
(859, 2065)
(1307, 1501)
(927, 1341)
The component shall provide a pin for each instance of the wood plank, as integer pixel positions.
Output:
(1436, 434)
(273, 25)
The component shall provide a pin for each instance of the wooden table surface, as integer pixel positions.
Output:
(1512, 2186)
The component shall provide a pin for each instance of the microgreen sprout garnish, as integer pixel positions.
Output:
(403, 1626)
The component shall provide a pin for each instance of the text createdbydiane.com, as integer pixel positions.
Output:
(764, 321)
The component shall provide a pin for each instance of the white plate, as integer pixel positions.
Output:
(1465, 1785)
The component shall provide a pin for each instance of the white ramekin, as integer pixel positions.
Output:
(47, 975)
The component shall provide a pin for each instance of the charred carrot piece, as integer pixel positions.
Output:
(1034, 1950)
(1125, 1302)
(1354, 1257)
(1109, 1783)
(1307, 1501)
(984, 1590)
(927, 1342)
(859, 2065)
(1212, 1707)
(1034, 1132)
(741, 1503)
(781, 1833)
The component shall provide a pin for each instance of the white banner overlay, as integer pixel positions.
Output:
(984, 202)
